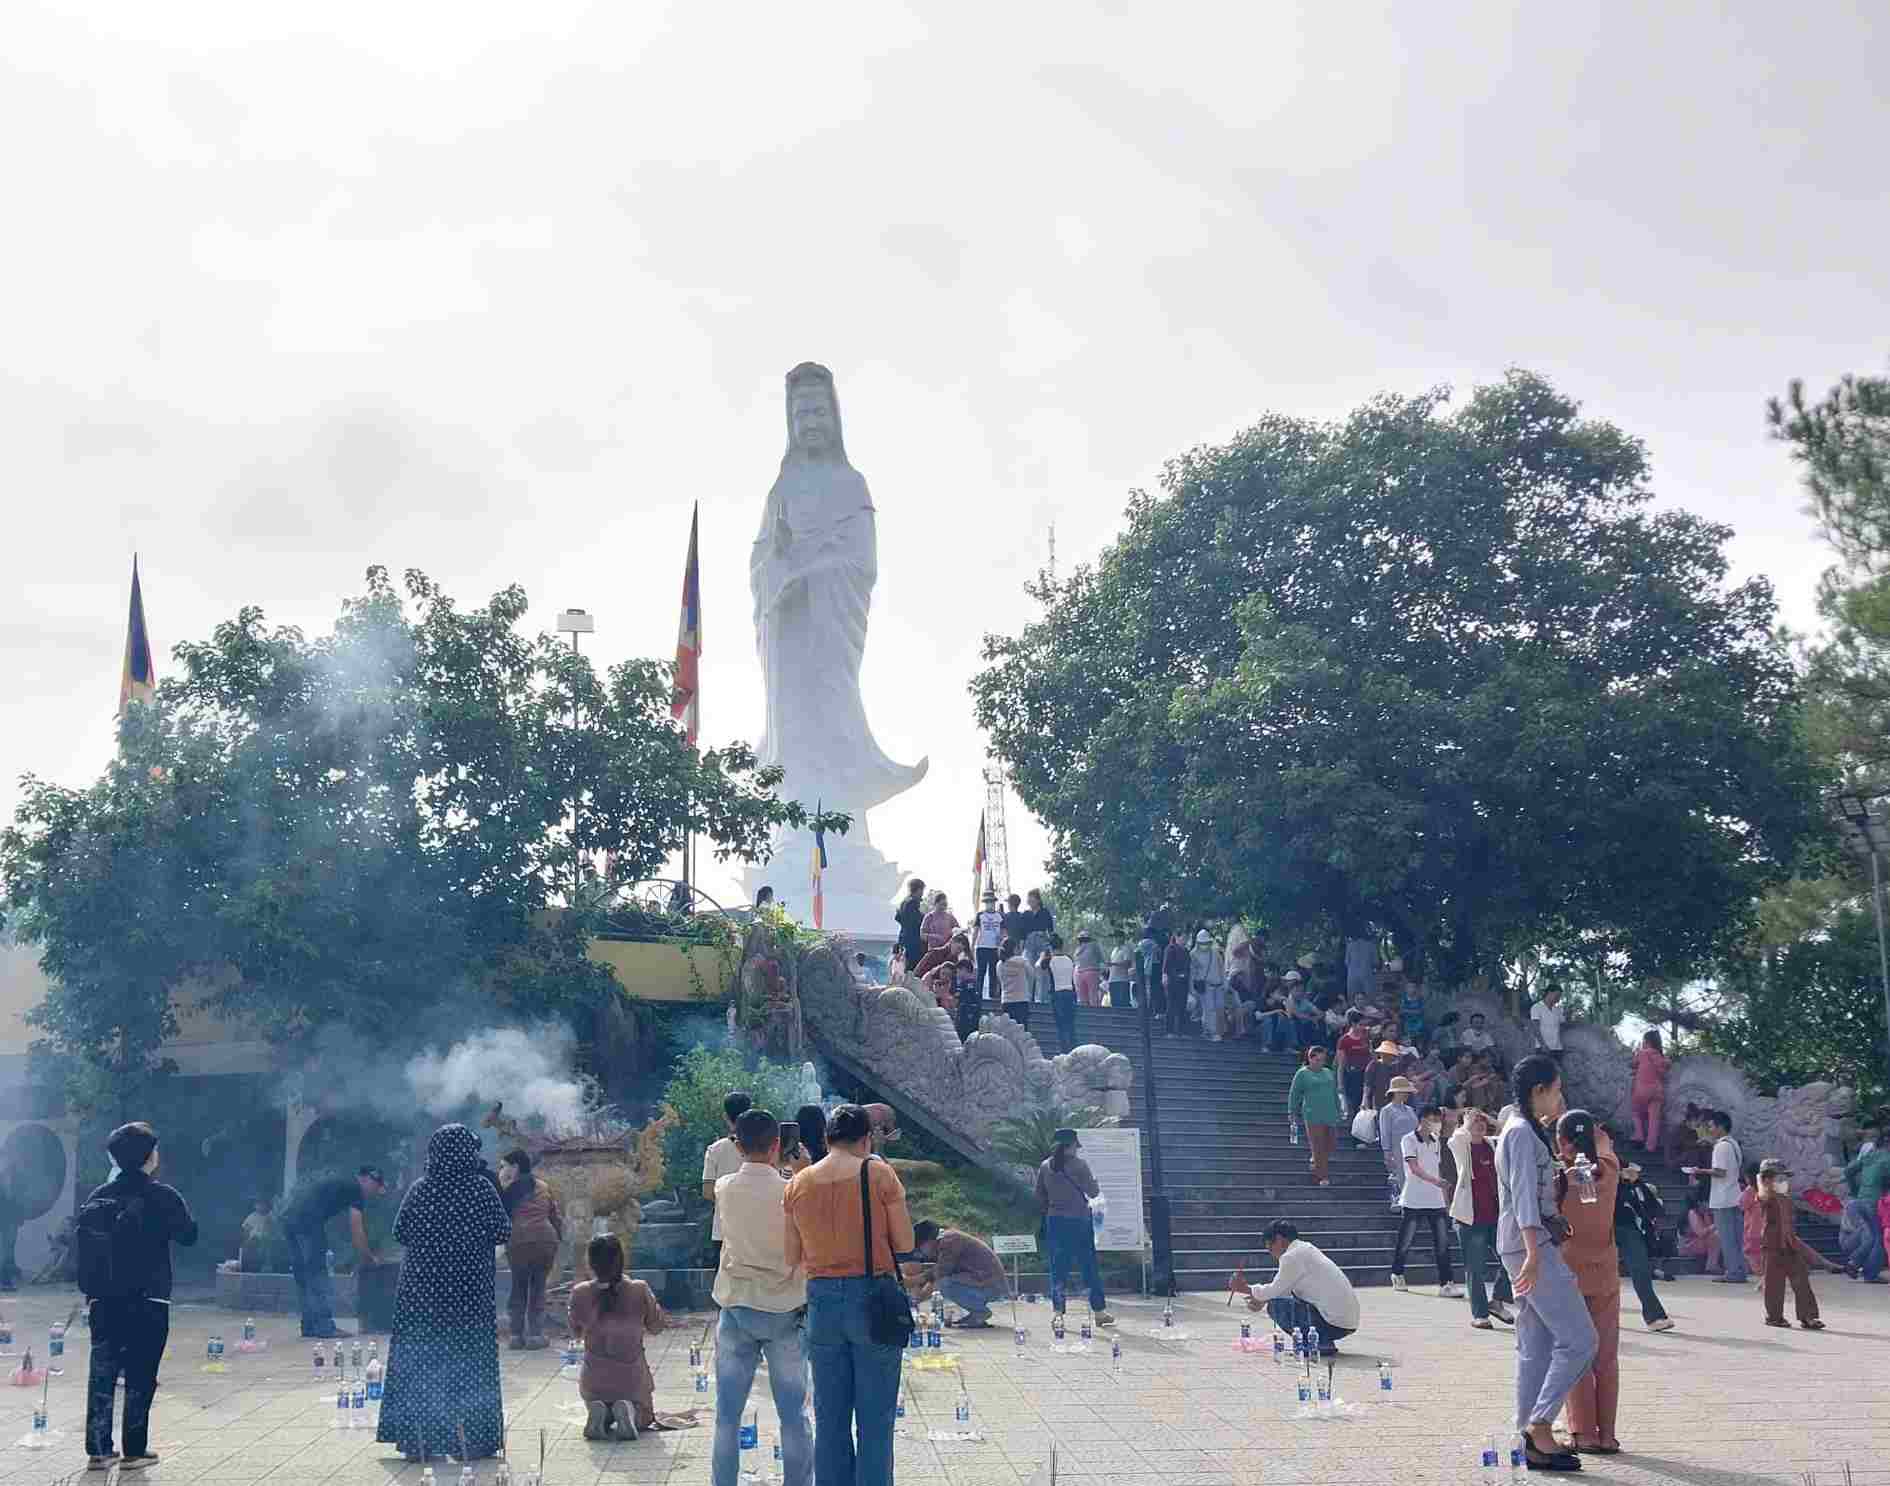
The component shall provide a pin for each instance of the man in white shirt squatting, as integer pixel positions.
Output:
(1309, 1291)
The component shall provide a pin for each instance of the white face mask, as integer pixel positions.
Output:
(1783, 1188)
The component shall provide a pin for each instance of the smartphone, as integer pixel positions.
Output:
(790, 1138)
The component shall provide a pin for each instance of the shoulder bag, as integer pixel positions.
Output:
(888, 1307)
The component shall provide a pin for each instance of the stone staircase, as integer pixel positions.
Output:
(1230, 1169)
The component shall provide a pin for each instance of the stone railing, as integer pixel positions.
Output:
(1802, 1126)
(907, 1042)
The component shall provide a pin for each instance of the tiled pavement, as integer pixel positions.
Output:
(1721, 1401)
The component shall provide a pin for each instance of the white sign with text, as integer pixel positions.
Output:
(1115, 1156)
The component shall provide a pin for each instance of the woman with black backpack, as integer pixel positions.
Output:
(1641, 1235)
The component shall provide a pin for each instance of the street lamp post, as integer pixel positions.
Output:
(575, 622)
(1160, 1211)
(1867, 833)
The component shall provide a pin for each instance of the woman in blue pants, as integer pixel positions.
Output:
(1555, 1336)
(1065, 1186)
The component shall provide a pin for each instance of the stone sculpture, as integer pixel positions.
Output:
(811, 572)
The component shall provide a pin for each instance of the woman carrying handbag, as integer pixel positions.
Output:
(846, 1224)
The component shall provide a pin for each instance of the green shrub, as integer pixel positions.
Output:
(703, 1078)
(1025, 1138)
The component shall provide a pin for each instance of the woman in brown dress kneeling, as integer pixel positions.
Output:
(612, 1314)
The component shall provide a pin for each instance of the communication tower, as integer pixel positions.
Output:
(996, 844)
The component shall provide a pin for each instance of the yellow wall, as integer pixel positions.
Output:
(660, 972)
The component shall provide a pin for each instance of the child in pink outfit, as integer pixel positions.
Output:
(1749, 1205)
(1650, 1090)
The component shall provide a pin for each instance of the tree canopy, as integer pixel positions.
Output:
(1448, 674)
(358, 828)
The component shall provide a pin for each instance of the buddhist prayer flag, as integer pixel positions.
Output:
(817, 866)
(686, 703)
(138, 683)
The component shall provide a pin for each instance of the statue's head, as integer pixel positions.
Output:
(813, 414)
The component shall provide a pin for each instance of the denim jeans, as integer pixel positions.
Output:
(1063, 1003)
(856, 1385)
(1433, 1218)
(1276, 1031)
(971, 1299)
(308, 1262)
(742, 1338)
(1289, 1312)
(1640, 1267)
(1478, 1242)
(1870, 1254)
(1731, 1223)
(1073, 1241)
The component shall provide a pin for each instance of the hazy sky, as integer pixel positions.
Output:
(498, 290)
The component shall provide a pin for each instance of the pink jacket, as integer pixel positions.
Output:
(1650, 1073)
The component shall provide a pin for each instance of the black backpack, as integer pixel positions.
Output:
(110, 1243)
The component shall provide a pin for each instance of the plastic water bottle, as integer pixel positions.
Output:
(1302, 1383)
(426, 1475)
(938, 1310)
(916, 1341)
(1020, 1336)
(750, 1441)
(1517, 1470)
(320, 1360)
(1115, 1357)
(777, 1468)
(1056, 1327)
(6, 1333)
(1098, 1211)
(961, 1413)
(1314, 1342)
(56, 1349)
(374, 1377)
(1384, 1377)
(1087, 1332)
(934, 1338)
(899, 1406)
(1299, 1343)
(1168, 1312)
(1322, 1387)
(1279, 1346)
(1293, 1129)
(695, 1357)
(1489, 1462)
(249, 1330)
(355, 1357)
(341, 1400)
(1582, 1179)
(357, 1401)
(700, 1377)
(502, 1474)
(1246, 1334)
(465, 1475)
(571, 1358)
(39, 1426)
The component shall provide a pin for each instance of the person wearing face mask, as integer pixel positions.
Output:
(1473, 1207)
(125, 1232)
(1423, 1199)
(1788, 1259)
(1555, 1335)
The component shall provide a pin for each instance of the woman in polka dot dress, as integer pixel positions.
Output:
(443, 1358)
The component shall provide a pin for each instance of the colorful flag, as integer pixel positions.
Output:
(686, 704)
(816, 867)
(977, 866)
(139, 681)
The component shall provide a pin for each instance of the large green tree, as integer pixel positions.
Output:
(1445, 673)
(361, 829)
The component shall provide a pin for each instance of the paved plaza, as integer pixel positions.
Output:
(1721, 1401)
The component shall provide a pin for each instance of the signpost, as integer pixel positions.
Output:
(1015, 1245)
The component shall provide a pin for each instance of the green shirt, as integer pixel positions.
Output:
(1314, 1096)
(1869, 1175)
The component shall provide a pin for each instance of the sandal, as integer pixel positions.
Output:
(1535, 1460)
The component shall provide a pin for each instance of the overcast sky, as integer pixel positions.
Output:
(498, 290)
